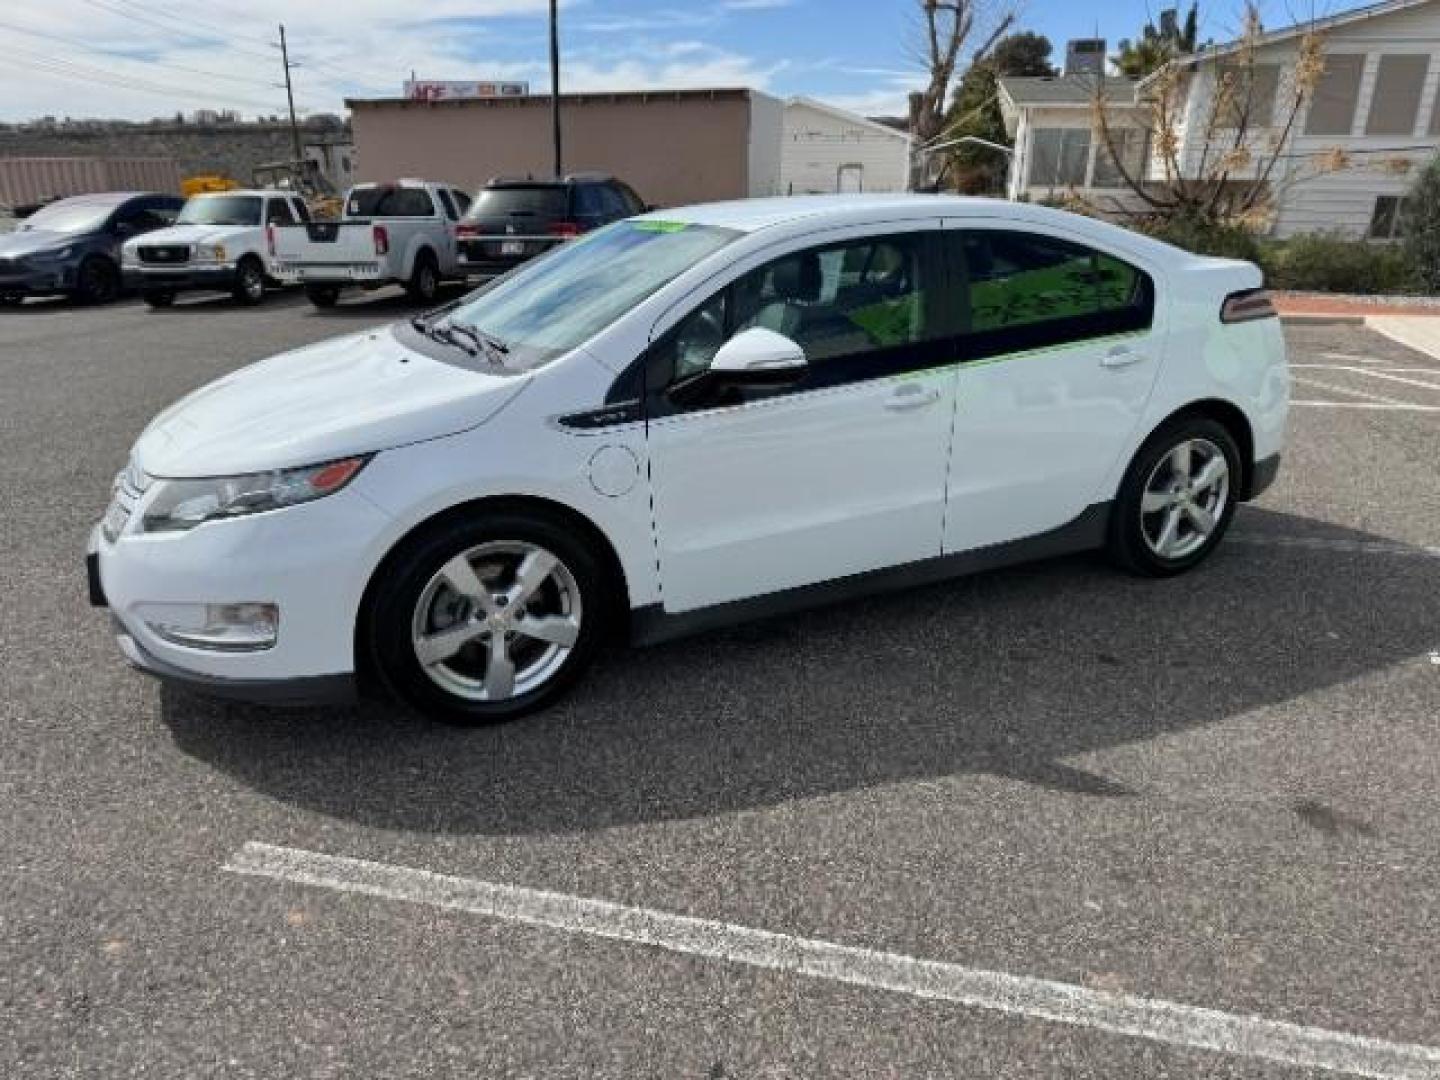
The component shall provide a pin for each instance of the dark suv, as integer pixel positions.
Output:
(512, 220)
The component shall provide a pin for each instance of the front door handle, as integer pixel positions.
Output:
(1121, 356)
(911, 396)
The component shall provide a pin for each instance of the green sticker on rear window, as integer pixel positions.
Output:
(661, 226)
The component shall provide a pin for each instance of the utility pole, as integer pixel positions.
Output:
(290, 95)
(555, 83)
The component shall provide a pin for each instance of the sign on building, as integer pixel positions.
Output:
(448, 90)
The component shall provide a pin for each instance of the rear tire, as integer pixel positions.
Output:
(1177, 499)
(424, 283)
(97, 281)
(162, 298)
(323, 296)
(451, 628)
(249, 288)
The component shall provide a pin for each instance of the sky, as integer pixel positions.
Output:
(142, 58)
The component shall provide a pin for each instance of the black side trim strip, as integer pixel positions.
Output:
(651, 624)
(1262, 475)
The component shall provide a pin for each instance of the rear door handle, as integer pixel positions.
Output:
(1121, 356)
(910, 396)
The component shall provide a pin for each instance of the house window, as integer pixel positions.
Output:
(1332, 109)
(1388, 220)
(1251, 98)
(1130, 147)
(1398, 83)
(1059, 157)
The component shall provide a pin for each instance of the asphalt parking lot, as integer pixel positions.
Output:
(1049, 796)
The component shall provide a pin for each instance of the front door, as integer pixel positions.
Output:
(1061, 350)
(765, 489)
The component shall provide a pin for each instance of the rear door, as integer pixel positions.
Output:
(1061, 348)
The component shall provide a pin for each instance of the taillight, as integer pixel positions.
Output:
(270, 239)
(564, 228)
(1247, 306)
(464, 231)
(382, 240)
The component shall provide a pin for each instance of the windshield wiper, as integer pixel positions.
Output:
(495, 350)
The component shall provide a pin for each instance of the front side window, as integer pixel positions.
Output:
(278, 212)
(549, 306)
(1027, 290)
(844, 304)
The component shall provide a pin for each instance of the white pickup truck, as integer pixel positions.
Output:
(402, 233)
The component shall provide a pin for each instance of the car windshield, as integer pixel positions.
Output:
(69, 217)
(550, 305)
(221, 210)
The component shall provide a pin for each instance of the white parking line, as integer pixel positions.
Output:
(1375, 373)
(1376, 398)
(1016, 995)
(1377, 406)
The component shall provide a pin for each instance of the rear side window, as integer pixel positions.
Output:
(395, 202)
(278, 212)
(590, 201)
(1025, 290)
(532, 200)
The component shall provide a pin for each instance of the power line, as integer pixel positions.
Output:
(103, 5)
(148, 63)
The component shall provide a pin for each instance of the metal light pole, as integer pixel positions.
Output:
(555, 83)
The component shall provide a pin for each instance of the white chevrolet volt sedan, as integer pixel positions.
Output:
(684, 419)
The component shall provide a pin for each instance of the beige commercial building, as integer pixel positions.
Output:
(673, 146)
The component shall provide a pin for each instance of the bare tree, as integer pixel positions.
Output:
(1225, 161)
(945, 27)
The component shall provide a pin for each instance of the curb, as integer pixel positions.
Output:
(1300, 318)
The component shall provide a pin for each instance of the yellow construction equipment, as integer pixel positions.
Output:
(199, 185)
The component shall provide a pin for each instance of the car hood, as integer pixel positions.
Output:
(353, 395)
(27, 243)
(191, 234)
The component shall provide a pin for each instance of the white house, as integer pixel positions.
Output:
(1376, 103)
(825, 149)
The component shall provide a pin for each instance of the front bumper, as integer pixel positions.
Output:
(46, 281)
(311, 561)
(219, 277)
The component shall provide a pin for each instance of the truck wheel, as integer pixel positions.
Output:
(424, 281)
(323, 296)
(160, 298)
(249, 281)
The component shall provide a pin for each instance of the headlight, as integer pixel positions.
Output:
(180, 505)
(209, 252)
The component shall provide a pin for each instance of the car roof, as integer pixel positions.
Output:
(790, 213)
(105, 198)
(257, 192)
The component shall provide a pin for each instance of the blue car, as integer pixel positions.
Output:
(72, 247)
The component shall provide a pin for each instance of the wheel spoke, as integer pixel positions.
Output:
(1180, 461)
(1203, 520)
(460, 576)
(500, 671)
(1155, 501)
(441, 646)
(1213, 471)
(1166, 540)
(556, 629)
(531, 574)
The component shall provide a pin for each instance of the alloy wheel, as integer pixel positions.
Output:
(1185, 499)
(497, 621)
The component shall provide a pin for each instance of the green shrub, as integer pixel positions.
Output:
(1327, 262)
(1421, 226)
(1206, 237)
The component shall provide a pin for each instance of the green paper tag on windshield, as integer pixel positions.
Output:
(661, 226)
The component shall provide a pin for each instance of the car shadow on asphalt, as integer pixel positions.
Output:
(1005, 673)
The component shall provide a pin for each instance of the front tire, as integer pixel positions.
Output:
(1177, 499)
(486, 619)
(323, 296)
(97, 281)
(249, 288)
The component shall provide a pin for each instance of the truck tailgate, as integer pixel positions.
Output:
(326, 250)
